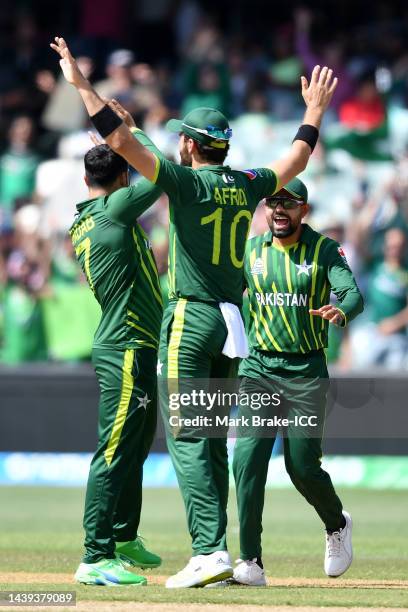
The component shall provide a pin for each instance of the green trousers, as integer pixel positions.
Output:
(302, 382)
(192, 338)
(127, 423)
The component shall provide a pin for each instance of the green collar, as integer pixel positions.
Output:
(213, 167)
(85, 203)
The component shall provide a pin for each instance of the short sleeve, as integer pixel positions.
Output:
(127, 204)
(145, 141)
(177, 181)
(263, 180)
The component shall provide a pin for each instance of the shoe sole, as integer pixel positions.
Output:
(226, 584)
(205, 581)
(217, 578)
(343, 572)
(253, 586)
(111, 584)
(107, 583)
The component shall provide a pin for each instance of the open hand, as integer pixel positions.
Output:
(330, 313)
(122, 113)
(95, 139)
(319, 92)
(68, 64)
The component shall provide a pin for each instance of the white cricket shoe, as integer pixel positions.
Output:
(247, 573)
(339, 549)
(202, 570)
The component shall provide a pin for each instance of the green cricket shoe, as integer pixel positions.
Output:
(134, 553)
(107, 572)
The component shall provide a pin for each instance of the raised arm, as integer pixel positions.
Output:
(120, 139)
(317, 96)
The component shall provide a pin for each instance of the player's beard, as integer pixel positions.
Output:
(284, 232)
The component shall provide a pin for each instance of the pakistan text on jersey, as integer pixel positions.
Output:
(282, 299)
(230, 196)
(80, 229)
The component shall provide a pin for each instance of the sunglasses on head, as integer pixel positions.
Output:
(213, 131)
(286, 203)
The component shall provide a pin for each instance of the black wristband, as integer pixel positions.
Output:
(307, 133)
(106, 121)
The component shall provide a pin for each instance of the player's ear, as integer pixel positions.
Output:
(86, 180)
(191, 145)
(121, 180)
(304, 210)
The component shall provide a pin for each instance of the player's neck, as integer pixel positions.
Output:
(288, 240)
(197, 164)
(99, 192)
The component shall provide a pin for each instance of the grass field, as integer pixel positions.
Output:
(41, 535)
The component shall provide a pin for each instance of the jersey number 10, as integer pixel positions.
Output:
(216, 218)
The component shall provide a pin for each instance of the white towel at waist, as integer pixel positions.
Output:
(236, 344)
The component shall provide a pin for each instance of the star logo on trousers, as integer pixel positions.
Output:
(159, 367)
(303, 268)
(143, 401)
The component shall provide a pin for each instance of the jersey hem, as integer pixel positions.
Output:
(211, 302)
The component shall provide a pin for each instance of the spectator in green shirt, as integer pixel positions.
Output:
(18, 164)
(383, 340)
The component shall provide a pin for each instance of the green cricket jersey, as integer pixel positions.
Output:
(116, 257)
(283, 283)
(210, 215)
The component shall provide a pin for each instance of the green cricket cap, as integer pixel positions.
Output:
(295, 188)
(206, 125)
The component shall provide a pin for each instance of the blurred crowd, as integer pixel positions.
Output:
(161, 59)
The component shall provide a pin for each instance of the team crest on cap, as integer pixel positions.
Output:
(251, 174)
(258, 267)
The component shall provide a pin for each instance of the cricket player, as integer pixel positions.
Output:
(116, 257)
(289, 273)
(211, 208)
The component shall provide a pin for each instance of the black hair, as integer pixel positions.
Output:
(103, 166)
(211, 154)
